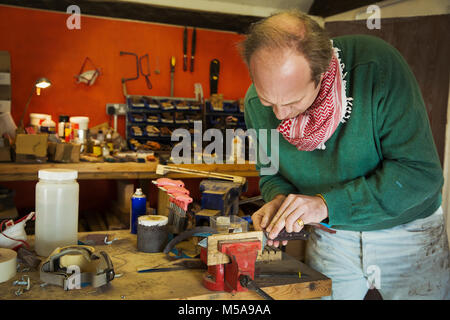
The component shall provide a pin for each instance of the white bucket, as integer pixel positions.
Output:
(37, 118)
(83, 122)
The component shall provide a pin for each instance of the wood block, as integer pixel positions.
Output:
(125, 191)
(270, 254)
(29, 158)
(32, 144)
(64, 152)
(163, 203)
(215, 257)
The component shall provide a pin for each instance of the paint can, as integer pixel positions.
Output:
(152, 233)
(138, 208)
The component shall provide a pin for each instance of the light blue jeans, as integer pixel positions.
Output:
(410, 261)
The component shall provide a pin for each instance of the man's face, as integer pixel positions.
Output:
(282, 79)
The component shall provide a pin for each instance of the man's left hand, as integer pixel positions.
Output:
(310, 209)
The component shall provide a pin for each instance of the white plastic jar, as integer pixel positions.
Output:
(57, 195)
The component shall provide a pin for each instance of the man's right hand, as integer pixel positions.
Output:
(264, 215)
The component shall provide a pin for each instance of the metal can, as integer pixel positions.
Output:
(138, 208)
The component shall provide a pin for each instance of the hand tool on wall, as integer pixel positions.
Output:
(147, 74)
(185, 59)
(88, 76)
(124, 80)
(157, 71)
(214, 68)
(194, 41)
(172, 73)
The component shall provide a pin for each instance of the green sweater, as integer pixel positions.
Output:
(380, 169)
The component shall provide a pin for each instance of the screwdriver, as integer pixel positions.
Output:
(172, 72)
(248, 283)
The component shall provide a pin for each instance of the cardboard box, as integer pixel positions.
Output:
(32, 144)
(64, 152)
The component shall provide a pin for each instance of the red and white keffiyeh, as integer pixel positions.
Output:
(311, 129)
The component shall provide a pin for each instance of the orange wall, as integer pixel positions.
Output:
(40, 44)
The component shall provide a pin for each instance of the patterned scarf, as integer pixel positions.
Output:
(311, 129)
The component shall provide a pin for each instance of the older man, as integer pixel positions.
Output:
(356, 151)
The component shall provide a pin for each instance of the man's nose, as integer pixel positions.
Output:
(280, 113)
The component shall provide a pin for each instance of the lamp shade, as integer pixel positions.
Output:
(43, 83)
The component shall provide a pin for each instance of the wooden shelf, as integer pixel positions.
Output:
(126, 170)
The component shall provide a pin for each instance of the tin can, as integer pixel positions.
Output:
(138, 208)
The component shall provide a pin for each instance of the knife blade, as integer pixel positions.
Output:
(185, 35)
(284, 235)
(194, 41)
(214, 69)
(301, 235)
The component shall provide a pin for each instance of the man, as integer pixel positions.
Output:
(356, 151)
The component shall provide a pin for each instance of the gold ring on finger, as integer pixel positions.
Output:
(300, 222)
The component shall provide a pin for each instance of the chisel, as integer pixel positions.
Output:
(214, 69)
(172, 72)
(194, 41)
(185, 59)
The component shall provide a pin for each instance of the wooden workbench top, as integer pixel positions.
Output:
(125, 170)
(181, 284)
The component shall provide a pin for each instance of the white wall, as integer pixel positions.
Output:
(396, 9)
(258, 8)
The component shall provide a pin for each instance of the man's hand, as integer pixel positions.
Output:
(311, 209)
(263, 216)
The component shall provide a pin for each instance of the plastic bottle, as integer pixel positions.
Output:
(62, 125)
(100, 136)
(109, 141)
(48, 125)
(56, 210)
(138, 208)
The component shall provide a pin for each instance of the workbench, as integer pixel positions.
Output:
(179, 284)
(12, 171)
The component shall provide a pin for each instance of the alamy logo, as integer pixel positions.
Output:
(233, 146)
(74, 280)
(374, 20)
(74, 20)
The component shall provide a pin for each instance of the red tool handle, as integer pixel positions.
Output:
(173, 189)
(162, 182)
(181, 200)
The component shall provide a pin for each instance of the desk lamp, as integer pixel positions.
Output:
(41, 83)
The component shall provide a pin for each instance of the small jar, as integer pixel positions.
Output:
(152, 233)
(48, 126)
(57, 195)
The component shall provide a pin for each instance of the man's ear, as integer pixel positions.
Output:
(320, 80)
